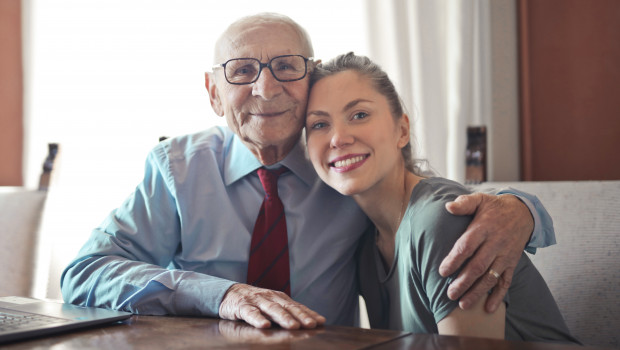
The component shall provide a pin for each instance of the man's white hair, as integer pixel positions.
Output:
(259, 19)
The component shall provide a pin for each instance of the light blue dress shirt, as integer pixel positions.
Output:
(182, 238)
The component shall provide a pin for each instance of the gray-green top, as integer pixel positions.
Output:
(412, 296)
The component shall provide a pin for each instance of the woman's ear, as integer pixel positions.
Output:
(214, 96)
(404, 131)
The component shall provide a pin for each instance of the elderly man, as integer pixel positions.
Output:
(203, 234)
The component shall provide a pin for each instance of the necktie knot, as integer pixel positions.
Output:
(269, 180)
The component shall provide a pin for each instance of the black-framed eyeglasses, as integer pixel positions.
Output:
(241, 71)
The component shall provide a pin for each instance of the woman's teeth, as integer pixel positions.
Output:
(347, 162)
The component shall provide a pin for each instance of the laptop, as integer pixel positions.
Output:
(25, 318)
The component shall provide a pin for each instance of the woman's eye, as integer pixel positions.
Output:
(318, 125)
(360, 115)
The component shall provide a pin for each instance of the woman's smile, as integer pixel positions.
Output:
(348, 162)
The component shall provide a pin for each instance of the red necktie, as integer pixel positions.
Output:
(269, 265)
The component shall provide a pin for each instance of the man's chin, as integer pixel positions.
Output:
(274, 136)
(271, 147)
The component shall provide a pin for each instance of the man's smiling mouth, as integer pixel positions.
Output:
(267, 115)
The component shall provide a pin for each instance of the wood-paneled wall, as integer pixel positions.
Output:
(11, 94)
(570, 89)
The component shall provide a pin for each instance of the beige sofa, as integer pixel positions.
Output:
(582, 270)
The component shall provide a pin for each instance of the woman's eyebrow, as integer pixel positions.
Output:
(344, 109)
(354, 103)
(317, 113)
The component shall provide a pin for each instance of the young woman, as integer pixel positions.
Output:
(358, 141)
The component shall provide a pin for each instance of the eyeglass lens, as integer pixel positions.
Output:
(246, 70)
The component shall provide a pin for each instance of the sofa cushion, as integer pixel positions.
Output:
(583, 268)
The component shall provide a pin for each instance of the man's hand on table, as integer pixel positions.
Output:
(259, 307)
(494, 240)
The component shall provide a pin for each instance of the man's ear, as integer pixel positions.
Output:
(313, 65)
(214, 96)
(403, 127)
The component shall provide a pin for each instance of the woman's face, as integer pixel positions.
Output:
(354, 142)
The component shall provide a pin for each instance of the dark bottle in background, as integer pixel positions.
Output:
(476, 155)
(48, 166)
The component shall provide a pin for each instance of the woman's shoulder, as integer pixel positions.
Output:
(439, 188)
(428, 214)
(433, 193)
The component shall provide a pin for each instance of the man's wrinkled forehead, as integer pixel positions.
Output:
(259, 40)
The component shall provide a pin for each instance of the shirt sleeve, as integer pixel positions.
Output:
(126, 264)
(544, 233)
(435, 232)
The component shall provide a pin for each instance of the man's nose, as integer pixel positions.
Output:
(266, 86)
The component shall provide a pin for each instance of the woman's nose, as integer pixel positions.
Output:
(341, 136)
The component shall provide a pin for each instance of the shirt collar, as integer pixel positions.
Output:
(240, 162)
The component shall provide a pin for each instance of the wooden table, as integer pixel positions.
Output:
(157, 332)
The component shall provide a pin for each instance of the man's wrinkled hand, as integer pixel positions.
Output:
(259, 307)
(494, 240)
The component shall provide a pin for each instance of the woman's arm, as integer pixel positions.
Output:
(475, 321)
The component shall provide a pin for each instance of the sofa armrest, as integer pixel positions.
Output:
(20, 215)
